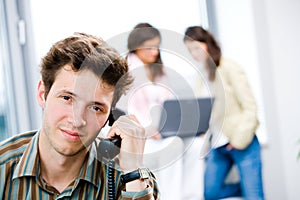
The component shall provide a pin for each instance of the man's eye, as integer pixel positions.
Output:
(97, 109)
(67, 98)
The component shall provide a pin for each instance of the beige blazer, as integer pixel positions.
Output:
(234, 111)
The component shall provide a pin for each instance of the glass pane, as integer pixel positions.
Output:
(5, 87)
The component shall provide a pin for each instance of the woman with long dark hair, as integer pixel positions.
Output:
(233, 122)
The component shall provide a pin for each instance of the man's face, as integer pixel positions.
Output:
(76, 108)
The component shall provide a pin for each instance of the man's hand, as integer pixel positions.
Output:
(132, 147)
(133, 142)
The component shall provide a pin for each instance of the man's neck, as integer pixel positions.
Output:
(59, 170)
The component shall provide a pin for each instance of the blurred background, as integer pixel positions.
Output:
(261, 35)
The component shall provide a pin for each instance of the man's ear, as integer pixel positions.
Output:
(41, 93)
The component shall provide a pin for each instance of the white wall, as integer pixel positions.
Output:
(56, 19)
(283, 30)
(264, 37)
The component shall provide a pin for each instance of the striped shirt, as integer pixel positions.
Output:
(20, 175)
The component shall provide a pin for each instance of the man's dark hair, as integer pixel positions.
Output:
(82, 51)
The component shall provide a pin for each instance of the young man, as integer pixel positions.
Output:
(82, 80)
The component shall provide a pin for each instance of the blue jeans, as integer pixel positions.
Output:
(248, 161)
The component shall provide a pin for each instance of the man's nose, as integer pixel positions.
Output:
(79, 118)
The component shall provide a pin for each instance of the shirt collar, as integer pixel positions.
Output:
(29, 164)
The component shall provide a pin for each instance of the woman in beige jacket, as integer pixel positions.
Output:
(233, 122)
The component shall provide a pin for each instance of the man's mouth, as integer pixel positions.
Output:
(71, 135)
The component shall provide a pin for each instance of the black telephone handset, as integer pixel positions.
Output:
(110, 148)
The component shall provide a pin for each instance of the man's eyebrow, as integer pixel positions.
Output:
(68, 92)
(99, 103)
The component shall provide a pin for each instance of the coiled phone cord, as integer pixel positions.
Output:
(111, 180)
(108, 149)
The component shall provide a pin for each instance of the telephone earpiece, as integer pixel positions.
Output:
(114, 115)
(111, 119)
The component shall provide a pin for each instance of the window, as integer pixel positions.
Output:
(18, 109)
(6, 101)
